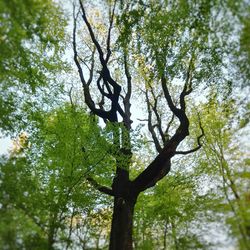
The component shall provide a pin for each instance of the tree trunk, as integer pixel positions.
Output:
(165, 235)
(122, 224)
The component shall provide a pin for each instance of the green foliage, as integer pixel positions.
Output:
(32, 40)
(165, 35)
(43, 182)
(224, 159)
(173, 208)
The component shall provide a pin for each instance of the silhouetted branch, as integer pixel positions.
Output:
(109, 32)
(187, 89)
(158, 118)
(126, 100)
(99, 187)
(150, 125)
(198, 142)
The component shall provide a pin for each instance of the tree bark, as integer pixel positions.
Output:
(122, 224)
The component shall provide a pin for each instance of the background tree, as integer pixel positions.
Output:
(43, 183)
(224, 157)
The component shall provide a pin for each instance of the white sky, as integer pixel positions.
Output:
(5, 145)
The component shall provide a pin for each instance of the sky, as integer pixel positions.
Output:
(5, 145)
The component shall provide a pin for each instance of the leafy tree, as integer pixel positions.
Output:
(43, 183)
(169, 219)
(224, 159)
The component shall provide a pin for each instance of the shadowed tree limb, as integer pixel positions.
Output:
(158, 125)
(150, 125)
(110, 115)
(187, 89)
(166, 132)
(92, 35)
(161, 165)
(126, 100)
(168, 97)
(88, 99)
(198, 142)
(109, 32)
(105, 71)
(103, 189)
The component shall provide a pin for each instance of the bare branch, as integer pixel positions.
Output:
(187, 89)
(150, 125)
(168, 98)
(92, 35)
(142, 120)
(83, 61)
(166, 133)
(91, 70)
(101, 89)
(70, 96)
(109, 33)
(110, 115)
(161, 165)
(75, 49)
(198, 142)
(126, 100)
(99, 187)
(158, 118)
(105, 74)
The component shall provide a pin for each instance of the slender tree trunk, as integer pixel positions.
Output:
(122, 224)
(165, 235)
(52, 231)
(51, 240)
(174, 235)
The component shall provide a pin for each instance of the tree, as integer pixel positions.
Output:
(224, 158)
(43, 184)
(168, 51)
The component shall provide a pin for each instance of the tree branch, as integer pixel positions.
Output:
(91, 70)
(108, 115)
(158, 118)
(168, 98)
(109, 32)
(166, 133)
(194, 149)
(161, 165)
(99, 187)
(126, 101)
(92, 35)
(105, 74)
(198, 142)
(150, 125)
(187, 89)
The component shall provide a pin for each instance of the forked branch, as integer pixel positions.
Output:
(150, 125)
(88, 99)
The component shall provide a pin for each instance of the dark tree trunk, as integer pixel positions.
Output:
(122, 224)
